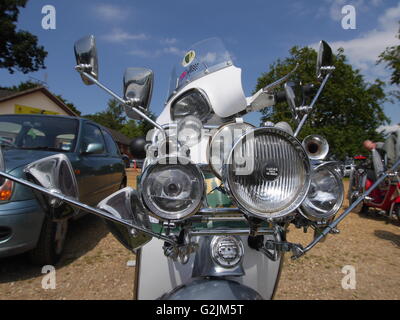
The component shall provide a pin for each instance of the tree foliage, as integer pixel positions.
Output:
(349, 110)
(114, 118)
(19, 49)
(391, 57)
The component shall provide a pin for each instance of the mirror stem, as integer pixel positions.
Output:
(140, 113)
(311, 106)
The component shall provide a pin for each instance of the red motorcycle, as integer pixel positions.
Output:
(385, 199)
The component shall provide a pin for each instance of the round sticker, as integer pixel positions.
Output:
(188, 59)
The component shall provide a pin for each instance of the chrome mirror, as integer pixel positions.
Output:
(324, 59)
(138, 88)
(294, 97)
(56, 174)
(86, 58)
(125, 205)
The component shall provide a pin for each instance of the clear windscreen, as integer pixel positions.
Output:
(201, 59)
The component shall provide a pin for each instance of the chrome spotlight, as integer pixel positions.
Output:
(267, 173)
(316, 147)
(172, 188)
(325, 197)
(222, 142)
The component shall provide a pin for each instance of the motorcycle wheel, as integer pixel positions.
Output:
(51, 242)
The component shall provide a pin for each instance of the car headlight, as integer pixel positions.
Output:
(267, 173)
(172, 188)
(325, 196)
(192, 103)
(222, 143)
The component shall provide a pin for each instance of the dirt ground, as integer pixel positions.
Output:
(96, 266)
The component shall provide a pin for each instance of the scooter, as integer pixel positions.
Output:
(216, 194)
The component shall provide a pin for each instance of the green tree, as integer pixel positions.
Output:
(113, 117)
(134, 128)
(391, 57)
(69, 104)
(19, 50)
(349, 110)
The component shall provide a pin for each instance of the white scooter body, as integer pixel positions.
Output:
(158, 274)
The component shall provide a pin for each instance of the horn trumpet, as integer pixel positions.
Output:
(316, 147)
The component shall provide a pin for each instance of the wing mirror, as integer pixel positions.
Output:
(55, 173)
(86, 58)
(125, 205)
(94, 148)
(138, 88)
(294, 96)
(324, 59)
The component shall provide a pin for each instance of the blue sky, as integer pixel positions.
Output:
(153, 34)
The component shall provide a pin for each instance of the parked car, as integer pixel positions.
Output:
(97, 163)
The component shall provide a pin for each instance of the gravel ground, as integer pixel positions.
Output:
(96, 266)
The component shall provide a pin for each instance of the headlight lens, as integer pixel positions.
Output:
(268, 173)
(222, 143)
(325, 196)
(172, 188)
(189, 131)
(192, 103)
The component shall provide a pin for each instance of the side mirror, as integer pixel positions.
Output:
(294, 97)
(86, 57)
(56, 174)
(324, 59)
(94, 148)
(138, 88)
(125, 205)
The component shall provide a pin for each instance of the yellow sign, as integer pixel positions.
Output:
(19, 109)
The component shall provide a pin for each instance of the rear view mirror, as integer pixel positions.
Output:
(56, 174)
(94, 148)
(294, 96)
(125, 205)
(138, 88)
(86, 57)
(324, 59)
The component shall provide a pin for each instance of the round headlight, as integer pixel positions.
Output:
(222, 143)
(172, 188)
(267, 173)
(192, 102)
(325, 196)
(189, 131)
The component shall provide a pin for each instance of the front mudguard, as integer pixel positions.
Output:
(212, 289)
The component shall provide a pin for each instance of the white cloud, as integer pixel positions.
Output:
(335, 7)
(364, 50)
(111, 12)
(169, 41)
(157, 53)
(118, 36)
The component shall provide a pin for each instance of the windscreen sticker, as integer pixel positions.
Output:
(188, 59)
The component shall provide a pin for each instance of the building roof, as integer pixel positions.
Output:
(119, 137)
(8, 95)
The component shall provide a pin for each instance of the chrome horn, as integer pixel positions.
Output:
(317, 147)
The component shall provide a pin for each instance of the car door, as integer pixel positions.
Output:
(115, 161)
(95, 167)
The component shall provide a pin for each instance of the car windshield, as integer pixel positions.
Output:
(38, 133)
(201, 59)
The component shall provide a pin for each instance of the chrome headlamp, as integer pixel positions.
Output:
(222, 143)
(325, 196)
(194, 103)
(172, 188)
(267, 173)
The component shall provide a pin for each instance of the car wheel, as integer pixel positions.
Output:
(51, 242)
